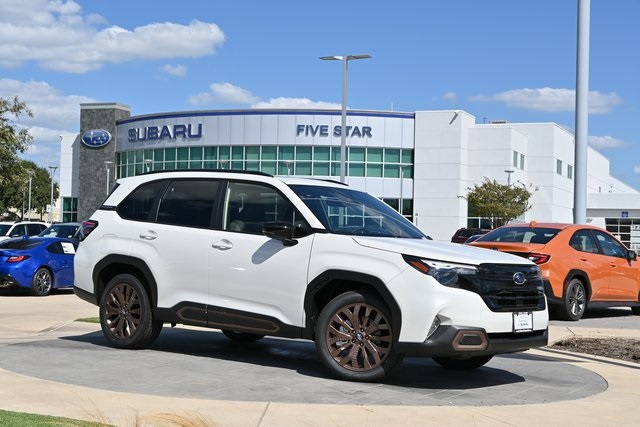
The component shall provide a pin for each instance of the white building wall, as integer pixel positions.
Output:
(69, 158)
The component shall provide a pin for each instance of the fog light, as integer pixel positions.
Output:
(435, 325)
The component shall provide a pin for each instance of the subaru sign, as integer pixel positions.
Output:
(96, 138)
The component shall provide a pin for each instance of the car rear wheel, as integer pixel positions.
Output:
(635, 310)
(241, 336)
(41, 283)
(355, 338)
(126, 315)
(462, 364)
(575, 301)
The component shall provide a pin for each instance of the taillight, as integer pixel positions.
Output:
(538, 258)
(87, 227)
(17, 258)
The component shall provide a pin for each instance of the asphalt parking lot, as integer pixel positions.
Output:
(190, 363)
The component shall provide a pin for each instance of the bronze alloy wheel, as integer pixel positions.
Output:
(122, 310)
(359, 337)
(126, 314)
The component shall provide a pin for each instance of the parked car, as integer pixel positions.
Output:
(255, 255)
(70, 230)
(582, 266)
(9, 229)
(39, 264)
(462, 234)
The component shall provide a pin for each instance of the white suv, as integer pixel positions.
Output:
(10, 229)
(257, 255)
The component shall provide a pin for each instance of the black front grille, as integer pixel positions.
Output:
(496, 285)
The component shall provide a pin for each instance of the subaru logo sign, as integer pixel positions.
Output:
(519, 278)
(96, 138)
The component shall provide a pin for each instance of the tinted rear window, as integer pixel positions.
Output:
(20, 244)
(520, 235)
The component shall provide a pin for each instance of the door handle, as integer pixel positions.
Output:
(148, 235)
(223, 245)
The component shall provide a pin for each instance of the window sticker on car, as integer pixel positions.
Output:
(522, 321)
(68, 248)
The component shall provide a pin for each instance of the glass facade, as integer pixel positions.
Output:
(69, 209)
(275, 160)
(316, 161)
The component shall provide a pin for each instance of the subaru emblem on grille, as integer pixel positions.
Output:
(519, 278)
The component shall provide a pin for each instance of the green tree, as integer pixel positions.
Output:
(14, 195)
(501, 203)
(13, 140)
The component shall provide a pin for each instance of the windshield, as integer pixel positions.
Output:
(346, 211)
(59, 230)
(520, 235)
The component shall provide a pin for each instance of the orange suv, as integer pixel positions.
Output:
(581, 265)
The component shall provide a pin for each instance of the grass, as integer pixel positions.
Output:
(22, 419)
(89, 320)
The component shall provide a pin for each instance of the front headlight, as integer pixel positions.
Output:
(447, 273)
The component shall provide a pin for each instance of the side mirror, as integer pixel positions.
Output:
(632, 255)
(283, 231)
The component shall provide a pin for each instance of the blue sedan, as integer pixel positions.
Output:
(37, 263)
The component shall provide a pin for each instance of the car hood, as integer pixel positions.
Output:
(452, 252)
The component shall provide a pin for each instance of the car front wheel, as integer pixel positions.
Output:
(126, 314)
(41, 283)
(355, 338)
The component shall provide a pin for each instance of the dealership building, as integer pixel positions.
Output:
(420, 163)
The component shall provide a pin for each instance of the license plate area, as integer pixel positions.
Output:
(522, 322)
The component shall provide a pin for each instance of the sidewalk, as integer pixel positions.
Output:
(615, 406)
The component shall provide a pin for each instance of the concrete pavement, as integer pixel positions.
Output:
(53, 365)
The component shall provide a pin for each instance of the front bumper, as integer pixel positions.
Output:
(449, 341)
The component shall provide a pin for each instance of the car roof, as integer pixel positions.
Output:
(555, 225)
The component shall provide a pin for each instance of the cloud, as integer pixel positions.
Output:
(604, 142)
(57, 35)
(296, 103)
(54, 113)
(636, 169)
(175, 70)
(449, 96)
(551, 100)
(223, 93)
(50, 107)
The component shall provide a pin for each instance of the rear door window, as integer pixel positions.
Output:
(138, 205)
(189, 202)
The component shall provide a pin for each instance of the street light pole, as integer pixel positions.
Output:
(30, 172)
(508, 172)
(343, 122)
(107, 165)
(53, 171)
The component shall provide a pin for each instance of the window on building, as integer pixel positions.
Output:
(515, 159)
(569, 171)
(522, 161)
(559, 166)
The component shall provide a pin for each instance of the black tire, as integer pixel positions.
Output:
(462, 364)
(574, 302)
(241, 336)
(635, 310)
(41, 282)
(126, 314)
(356, 352)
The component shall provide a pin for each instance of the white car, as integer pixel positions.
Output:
(257, 255)
(10, 229)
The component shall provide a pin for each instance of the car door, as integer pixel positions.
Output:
(61, 261)
(624, 279)
(169, 225)
(252, 273)
(592, 262)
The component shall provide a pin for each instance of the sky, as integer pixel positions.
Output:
(509, 60)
